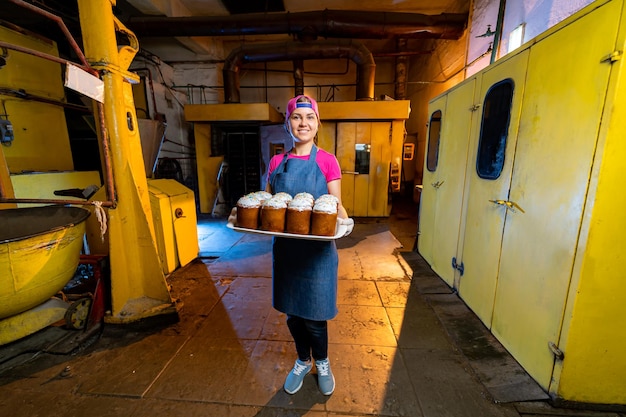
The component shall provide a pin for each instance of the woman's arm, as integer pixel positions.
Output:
(334, 188)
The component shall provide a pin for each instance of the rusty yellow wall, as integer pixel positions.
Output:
(41, 139)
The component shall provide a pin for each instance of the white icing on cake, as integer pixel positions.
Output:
(248, 202)
(306, 196)
(283, 197)
(300, 204)
(275, 203)
(325, 206)
(328, 197)
(261, 195)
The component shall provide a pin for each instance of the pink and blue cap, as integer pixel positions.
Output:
(293, 104)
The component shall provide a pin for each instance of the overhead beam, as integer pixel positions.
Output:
(308, 25)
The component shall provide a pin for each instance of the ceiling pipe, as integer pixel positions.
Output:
(402, 69)
(298, 77)
(308, 25)
(293, 51)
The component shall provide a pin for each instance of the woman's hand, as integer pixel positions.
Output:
(232, 217)
(349, 223)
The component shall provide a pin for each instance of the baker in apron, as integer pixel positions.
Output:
(305, 271)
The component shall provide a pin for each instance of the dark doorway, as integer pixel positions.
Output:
(239, 144)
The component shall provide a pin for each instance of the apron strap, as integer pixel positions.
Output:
(312, 157)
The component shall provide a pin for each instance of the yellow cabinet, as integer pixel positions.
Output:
(539, 252)
(175, 223)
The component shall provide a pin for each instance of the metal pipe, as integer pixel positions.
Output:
(498, 35)
(290, 51)
(29, 97)
(327, 23)
(298, 78)
(401, 54)
(43, 55)
(401, 74)
(106, 150)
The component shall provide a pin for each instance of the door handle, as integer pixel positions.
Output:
(511, 205)
(350, 172)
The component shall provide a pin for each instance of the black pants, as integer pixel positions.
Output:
(311, 337)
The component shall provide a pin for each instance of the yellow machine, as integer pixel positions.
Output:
(136, 252)
(520, 209)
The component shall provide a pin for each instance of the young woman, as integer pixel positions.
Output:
(305, 271)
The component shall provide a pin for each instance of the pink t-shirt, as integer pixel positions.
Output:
(325, 160)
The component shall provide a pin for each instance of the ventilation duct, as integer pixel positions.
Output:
(308, 25)
(295, 51)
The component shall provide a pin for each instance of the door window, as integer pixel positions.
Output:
(434, 136)
(494, 130)
(362, 158)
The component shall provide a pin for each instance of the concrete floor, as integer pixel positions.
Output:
(403, 344)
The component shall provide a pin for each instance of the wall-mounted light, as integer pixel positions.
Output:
(516, 37)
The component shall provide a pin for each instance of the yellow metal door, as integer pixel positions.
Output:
(563, 102)
(366, 151)
(430, 179)
(484, 222)
(380, 162)
(346, 139)
(363, 152)
(363, 138)
(450, 185)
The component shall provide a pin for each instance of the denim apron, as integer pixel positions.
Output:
(304, 271)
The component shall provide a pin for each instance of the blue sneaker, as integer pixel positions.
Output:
(294, 380)
(325, 377)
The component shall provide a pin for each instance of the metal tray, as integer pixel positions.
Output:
(340, 230)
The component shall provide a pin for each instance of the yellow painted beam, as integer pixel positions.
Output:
(236, 112)
(365, 110)
(205, 168)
